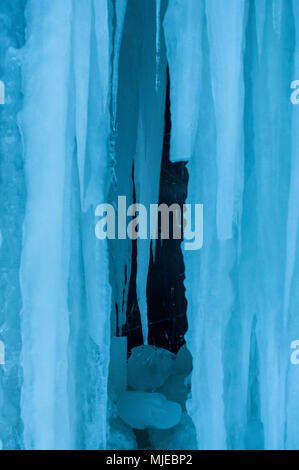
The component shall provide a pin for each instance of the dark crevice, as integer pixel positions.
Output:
(165, 290)
(133, 329)
(167, 304)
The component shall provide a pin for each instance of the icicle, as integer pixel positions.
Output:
(225, 22)
(291, 272)
(120, 12)
(277, 11)
(260, 13)
(148, 165)
(183, 39)
(122, 152)
(121, 265)
(82, 17)
(95, 254)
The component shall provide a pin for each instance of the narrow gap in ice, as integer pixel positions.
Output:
(133, 328)
(165, 290)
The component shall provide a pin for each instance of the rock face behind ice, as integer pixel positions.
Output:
(175, 389)
(181, 437)
(142, 410)
(121, 436)
(149, 367)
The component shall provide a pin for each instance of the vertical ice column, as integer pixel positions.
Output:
(272, 122)
(45, 255)
(293, 208)
(291, 296)
(120, 266)
(95, 252)
(122, 153)
(208, 285)
(183, 43)
(88, 178)
(240, 355)
(260, 15)
(81, 21)
(226, 21)
(119, 18)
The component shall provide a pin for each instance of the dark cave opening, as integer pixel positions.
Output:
(166, 300)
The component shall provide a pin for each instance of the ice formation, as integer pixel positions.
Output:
(149, 367)
(83, 123)
(183, 362)
(175, 389)
(143, 410)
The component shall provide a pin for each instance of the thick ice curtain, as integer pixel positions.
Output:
(240, 141)
(65, 313)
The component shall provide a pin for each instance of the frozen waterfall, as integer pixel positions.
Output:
(121, 102)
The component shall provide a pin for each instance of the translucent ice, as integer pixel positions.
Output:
(149, 367)
(225, 22)
(44, 277)
(142, 410)
(183, 41)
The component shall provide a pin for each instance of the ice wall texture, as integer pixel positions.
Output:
(55, 294)
(85, 99)
(64, 271)
(12, 205)
(242, 287)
